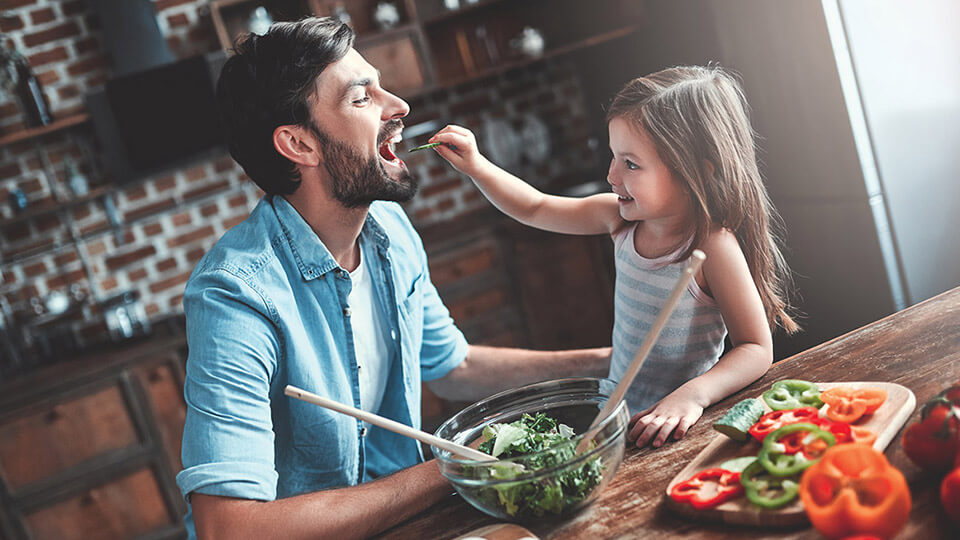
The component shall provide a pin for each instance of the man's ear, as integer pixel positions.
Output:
(296, 144)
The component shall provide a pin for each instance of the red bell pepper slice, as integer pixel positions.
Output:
(775, 420)
(708, 488)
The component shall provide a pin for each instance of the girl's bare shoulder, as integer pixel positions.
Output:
(722, 247)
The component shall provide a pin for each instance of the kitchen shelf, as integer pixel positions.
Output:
(31, 133)
(550, 53)
(447, 15)
(34, 213)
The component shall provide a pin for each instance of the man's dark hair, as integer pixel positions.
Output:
(269, 82)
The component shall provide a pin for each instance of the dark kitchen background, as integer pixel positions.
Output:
(113, 185)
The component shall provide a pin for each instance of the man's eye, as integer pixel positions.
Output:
(361, 101)
(631, 165)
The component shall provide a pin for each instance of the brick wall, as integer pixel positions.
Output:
(171, 219)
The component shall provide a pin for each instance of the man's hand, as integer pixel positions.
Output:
(674, 413)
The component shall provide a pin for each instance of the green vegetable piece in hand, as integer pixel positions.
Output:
(736, 423)
(425, 146)
(768, 491)
(792, 394)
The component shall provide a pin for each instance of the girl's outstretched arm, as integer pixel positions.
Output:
(728, 278)
(596, 214)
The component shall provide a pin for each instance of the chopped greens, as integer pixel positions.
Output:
(550, 495)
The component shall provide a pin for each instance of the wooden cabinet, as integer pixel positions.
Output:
(105, 512)
(434, 47)
(90, 449)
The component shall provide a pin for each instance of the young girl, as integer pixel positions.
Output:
(684, 176)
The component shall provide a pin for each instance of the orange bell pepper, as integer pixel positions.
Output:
(852, 490)
(846, 404)
(863, 435)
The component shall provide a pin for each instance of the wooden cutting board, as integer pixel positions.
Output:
(885, 422)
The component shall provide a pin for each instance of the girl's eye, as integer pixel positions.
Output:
(631, 165)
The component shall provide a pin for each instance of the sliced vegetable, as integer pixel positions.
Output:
(708, 488)
(842, 432)
(863, 435)
(425, 146)
(847, 404)
(738, 464)
(934, 441)
(736, 423)
(766, 490)
(792, 394)
(777, 462)
(853, 489)
(772, 421)
(950, 495)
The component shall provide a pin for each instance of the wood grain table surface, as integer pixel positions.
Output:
(918, 347)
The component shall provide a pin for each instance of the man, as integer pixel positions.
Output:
(325, 286)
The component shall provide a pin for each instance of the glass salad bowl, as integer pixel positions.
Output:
(540, 473)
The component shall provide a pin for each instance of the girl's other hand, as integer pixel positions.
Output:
(674, 413)
(459, 147)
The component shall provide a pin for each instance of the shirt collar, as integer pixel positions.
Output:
(312, 257)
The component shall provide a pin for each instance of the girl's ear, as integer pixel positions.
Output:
(298, 145)
(708, 165)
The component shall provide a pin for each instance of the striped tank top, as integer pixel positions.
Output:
(690, 343)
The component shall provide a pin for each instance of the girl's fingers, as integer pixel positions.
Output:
(665, 431)
(683, 426)
(650, 431)
(639, 425)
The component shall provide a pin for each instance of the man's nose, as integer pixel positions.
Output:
(395, 107)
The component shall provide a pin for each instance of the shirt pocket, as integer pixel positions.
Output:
(411, 315)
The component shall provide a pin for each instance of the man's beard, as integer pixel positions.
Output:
(358, 181)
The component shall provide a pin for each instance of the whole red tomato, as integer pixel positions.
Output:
(934, 441)
(950, 495)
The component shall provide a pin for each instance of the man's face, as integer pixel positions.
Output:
(358, 123)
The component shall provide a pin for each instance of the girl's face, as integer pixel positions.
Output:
(647, 188)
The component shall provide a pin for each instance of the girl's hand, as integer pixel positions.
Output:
(674, 413)
(459, 147)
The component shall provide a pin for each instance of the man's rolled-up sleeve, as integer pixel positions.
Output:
(228, 437)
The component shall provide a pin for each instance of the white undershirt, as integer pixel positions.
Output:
(370, 341)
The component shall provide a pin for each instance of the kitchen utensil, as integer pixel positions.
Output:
(885, 422)
(386, 423)
(696, 259)
(494, 490)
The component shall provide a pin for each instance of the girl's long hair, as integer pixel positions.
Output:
(697, 118)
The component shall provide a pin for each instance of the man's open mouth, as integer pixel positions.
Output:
(386, 149)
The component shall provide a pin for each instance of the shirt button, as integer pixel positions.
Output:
(363, 431)
(393, 334)
(347, 311)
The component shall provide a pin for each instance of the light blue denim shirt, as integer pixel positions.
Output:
(267, 307)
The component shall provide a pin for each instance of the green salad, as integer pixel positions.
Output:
(538, 497)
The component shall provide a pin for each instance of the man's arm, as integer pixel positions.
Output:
(487, 370)
(352, 512)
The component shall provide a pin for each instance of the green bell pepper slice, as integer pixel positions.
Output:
(792, 394)
(778, 463)
(766, 490)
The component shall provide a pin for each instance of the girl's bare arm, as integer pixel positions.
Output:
(596, 214)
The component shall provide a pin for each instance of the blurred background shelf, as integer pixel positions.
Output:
(31, 133)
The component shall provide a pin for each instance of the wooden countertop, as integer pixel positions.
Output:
(918, 347)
